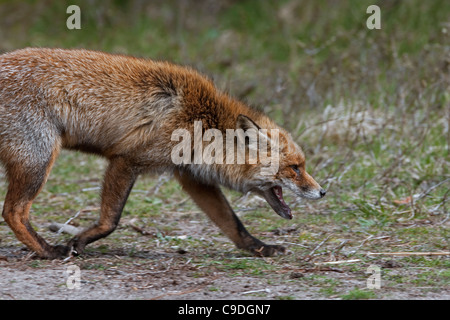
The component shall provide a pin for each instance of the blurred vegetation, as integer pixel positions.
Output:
(304, 53)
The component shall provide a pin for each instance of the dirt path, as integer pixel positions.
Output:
(162, 275)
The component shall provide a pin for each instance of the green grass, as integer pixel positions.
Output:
(359, 294)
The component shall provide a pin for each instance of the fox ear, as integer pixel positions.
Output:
(248, 126)
(245, 123)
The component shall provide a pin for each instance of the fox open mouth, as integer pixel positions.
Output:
(274, 196)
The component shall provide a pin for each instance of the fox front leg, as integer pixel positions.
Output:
(212, 201)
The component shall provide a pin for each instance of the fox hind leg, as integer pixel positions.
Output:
(26, 179)
(212, 201)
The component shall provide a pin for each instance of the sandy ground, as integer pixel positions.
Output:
(23, 277)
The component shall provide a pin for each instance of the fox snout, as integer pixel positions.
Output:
(310, 189)
(313, 194)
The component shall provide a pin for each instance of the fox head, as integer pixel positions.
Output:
(286, 170)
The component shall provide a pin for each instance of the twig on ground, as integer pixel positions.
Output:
(426, 192)
(195, 289)
(142, 231)
(65, 228)
(337, 262)
(256, 291)
(367, 239)
(406, 254)
(161, 180)
(308, 257)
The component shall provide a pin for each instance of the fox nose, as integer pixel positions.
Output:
(323, 192)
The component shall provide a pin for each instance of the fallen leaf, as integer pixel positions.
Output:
(407, 200)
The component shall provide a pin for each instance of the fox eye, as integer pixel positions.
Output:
(296, 169)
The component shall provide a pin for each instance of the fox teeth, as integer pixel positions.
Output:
(279, 193)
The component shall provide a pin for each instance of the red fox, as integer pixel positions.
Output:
(126, 109)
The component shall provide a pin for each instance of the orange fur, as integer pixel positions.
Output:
(126, 109)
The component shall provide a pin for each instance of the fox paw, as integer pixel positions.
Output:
(56, 252)
(77, 246)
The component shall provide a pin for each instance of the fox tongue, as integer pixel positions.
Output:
(283, 210)
(279, 193)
